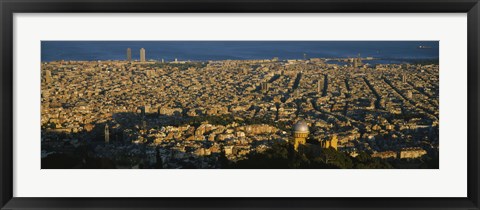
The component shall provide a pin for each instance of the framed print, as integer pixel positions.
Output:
(239, 105)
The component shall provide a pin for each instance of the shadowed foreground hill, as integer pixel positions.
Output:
(63, 161)
(280, 156)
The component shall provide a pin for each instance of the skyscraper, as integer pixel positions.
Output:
(142, 55)
(129, 54)
(357, 62)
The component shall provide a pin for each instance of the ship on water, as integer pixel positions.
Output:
(424, 47)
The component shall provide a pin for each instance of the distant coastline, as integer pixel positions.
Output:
(386, 51)
(413, 61)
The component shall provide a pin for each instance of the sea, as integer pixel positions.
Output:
(382, 51)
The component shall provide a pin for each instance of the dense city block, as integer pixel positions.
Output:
(271, 113)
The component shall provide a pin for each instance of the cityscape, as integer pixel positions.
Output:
(240, 105)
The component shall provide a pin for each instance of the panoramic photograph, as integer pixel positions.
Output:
(239, 104)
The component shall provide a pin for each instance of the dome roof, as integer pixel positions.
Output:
(301, 126)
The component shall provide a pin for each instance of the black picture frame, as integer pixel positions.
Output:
(9, 7)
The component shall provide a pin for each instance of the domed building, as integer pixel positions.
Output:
(300, 134)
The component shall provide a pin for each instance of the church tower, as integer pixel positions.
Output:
(300, 134)
(107, 134)
(334, 142)
(330, 143)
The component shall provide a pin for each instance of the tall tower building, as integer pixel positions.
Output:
(300, 134)
(319, 86)
(142, 55)
(129, 54)
(107, 134)
(265, 87)
(357, 62)
(48, 76)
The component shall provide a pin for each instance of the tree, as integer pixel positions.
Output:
(276, 157)
(159, 162)
(365, 161)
